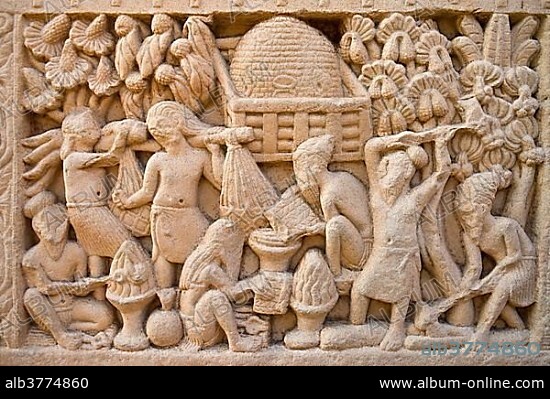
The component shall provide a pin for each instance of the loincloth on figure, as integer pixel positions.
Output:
(97, 229)
(521, 280)
(390, 275)
(166, 222)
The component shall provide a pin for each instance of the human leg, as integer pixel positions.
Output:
(490, 312)
(165, 273)
(220, 308)
(44, 314)
(511, 316)
(343, 243)
(395, 337)
(91, 315)
(359, 306)
(95, 316)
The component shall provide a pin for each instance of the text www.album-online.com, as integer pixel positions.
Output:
(482, 383)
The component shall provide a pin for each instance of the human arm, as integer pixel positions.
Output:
(80, 258)
(147, 192)
(110, 158)
(213, 168)
(149, 146)
(473, 266)
(513, 255)
(442, 163)
(375, 147)
(218, 278)
(521, 190)
(136, 133)
(241, 292)
(513, 249)
(36, 277)
(330, 210)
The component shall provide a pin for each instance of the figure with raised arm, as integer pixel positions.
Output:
(392, 272)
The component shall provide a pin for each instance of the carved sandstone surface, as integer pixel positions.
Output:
(202, 182)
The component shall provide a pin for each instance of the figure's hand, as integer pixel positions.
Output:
(214, 149)
(240, 135)
(93, 283)
(406, 139)
(120, 199)
(398, 146)
(88, 284)
(507, 261)
(237, 294)
(316, 229)
(119, 143)
(470, 278)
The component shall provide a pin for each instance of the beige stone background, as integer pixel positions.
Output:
(15, 125)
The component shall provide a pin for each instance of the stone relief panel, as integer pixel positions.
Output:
(366, 181)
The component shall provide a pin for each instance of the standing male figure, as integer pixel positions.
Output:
(392, 272)
(98, 230)
(171, 183)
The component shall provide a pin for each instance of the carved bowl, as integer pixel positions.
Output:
(274, 253)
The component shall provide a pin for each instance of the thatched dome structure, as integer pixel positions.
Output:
(286, 58)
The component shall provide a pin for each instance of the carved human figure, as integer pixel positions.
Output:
(87, 190)
(342, 201)
(171, 183)
(512, 283)
(56, 272)
(392, 272)
(207, 279)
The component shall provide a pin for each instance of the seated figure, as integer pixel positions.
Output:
(55, 269)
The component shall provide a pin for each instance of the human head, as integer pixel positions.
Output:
(313, 156)
(223, 242)
(399, 167)
(49, 221)
(310, 160)
(81, 131)
(475, 197)
(167, 121)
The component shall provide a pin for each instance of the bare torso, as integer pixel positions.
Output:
(178, 178)
(493, 242)
(395, 224)
(69, 267)
(84, 185)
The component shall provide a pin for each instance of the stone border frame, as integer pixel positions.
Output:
(14, 125)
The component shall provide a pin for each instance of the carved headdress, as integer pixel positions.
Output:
(178, 115)
(476, 195)
(320, 148)
(223, 241)
(50, 222)
(309, 157)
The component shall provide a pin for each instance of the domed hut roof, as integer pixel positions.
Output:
(286, 58)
